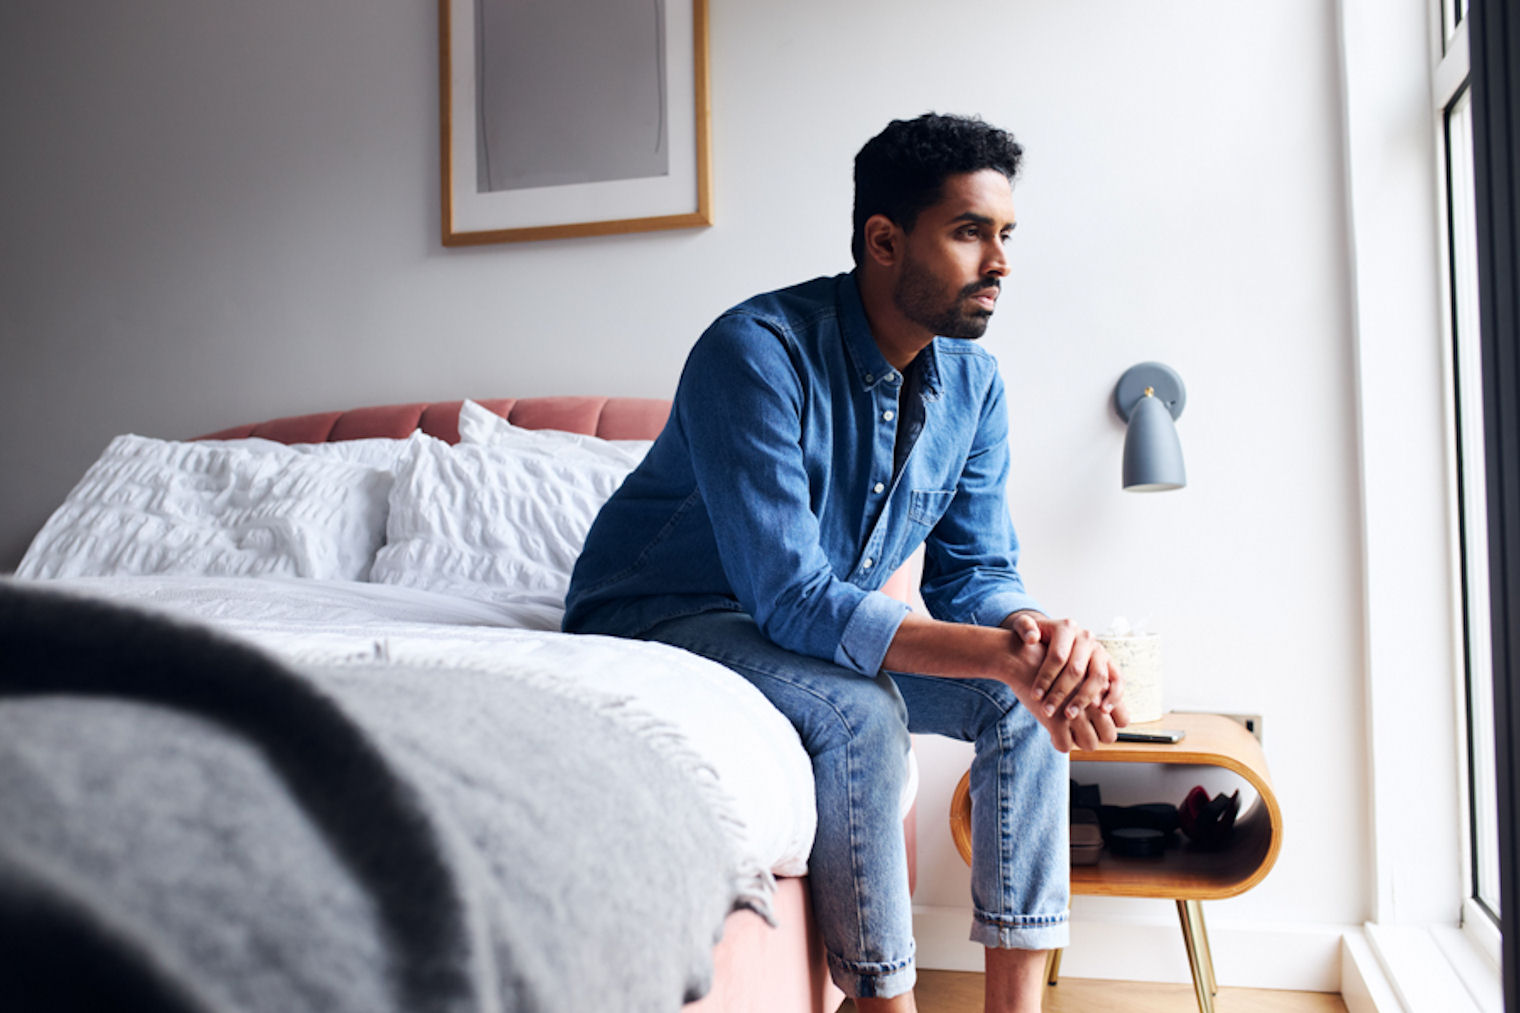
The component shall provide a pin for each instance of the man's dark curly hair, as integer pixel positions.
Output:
(902, 170)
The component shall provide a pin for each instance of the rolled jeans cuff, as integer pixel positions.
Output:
(867, 980)
(1026, 932)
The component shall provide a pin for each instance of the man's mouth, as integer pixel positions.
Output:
(986, 295)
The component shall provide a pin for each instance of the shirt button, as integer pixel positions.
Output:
(888, 415)
(878, 487)
(866, 564)
(870, 378)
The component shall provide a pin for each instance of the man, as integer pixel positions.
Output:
(818, 436)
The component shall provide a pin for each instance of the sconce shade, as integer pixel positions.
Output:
(1149, 396)
(1152, 452)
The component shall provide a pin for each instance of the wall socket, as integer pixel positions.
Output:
(1250, 722)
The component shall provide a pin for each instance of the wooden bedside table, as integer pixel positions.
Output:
(1185, 874)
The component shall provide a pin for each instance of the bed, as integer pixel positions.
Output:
(287, 724)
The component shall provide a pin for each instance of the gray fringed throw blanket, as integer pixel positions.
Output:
(187, 824)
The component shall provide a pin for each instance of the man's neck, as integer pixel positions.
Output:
(898, 338)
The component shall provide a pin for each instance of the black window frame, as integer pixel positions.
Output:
(1494, 41)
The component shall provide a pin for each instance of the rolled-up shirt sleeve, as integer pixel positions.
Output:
(741, 406)
(869, 633)
(971, 556)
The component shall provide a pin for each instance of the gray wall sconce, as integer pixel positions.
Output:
(1149, 397)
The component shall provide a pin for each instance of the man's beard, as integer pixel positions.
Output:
(917, 296)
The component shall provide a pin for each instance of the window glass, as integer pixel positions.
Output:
(1452, 14)
(1473, 503)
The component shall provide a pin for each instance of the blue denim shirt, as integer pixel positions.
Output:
(772, 490)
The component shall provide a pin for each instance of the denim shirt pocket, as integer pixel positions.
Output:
(926, 506)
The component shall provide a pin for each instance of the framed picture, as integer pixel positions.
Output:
(572, 118)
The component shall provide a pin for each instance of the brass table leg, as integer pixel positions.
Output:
(1196, 937)
(1205, 949)
(1052, 967)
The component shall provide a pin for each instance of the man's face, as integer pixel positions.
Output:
(953, 258)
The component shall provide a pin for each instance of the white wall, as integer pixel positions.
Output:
(217, 213)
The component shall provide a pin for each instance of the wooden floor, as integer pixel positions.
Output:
(961, 992)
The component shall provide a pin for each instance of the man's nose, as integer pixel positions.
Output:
(997, 261)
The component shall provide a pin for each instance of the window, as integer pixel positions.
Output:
(1453, 12)
(1453, 99)
(1473, 506)
(1487, 39)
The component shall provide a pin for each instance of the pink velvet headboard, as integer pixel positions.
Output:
(611, 418)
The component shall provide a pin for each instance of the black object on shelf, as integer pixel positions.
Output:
(1157, 816)
(1137, 842)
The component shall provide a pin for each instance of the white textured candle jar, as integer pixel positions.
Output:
(1138, 656)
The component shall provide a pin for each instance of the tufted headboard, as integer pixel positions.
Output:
(611, 418)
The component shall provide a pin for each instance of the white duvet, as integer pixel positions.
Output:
(467, 550)
(750, 747)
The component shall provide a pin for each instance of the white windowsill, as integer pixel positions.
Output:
(1420, 969)
(1482, 932)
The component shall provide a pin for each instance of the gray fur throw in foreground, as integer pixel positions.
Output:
(189, 825)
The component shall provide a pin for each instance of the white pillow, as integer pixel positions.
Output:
(500, 524)
(481, 426)
(153, 506)
(383, 452)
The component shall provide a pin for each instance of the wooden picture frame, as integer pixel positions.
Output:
(489, 135)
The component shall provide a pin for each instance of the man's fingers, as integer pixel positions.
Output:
(1120, 714)
(1083, 680)
(1083, 733)
(1091, 680)
(1103, 724)
(1048, 684)
(1092, 727)
(1114, 696)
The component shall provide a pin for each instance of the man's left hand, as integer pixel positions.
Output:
(1077, 678)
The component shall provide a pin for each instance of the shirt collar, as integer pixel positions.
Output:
(871, 368)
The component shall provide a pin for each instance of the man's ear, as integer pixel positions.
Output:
(883, 240)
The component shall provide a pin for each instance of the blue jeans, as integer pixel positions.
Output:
(856, 729)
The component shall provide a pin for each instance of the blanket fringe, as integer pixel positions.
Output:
(753, 884)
